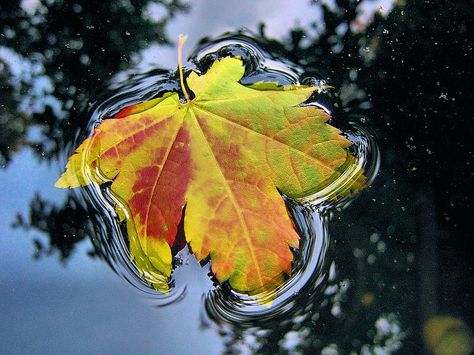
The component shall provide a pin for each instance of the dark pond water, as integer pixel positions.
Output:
(393, 262)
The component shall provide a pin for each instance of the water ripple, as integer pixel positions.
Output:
(311, 214)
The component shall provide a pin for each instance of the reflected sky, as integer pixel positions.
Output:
(209, 18)
(80, 306)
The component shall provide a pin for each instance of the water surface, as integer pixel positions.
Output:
(397, 255)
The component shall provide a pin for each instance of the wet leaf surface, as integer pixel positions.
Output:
(225, 154)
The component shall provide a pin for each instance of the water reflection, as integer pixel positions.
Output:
(114, 244)
(301, 298)
(55, 60)
(304, 287)
(57, 57)
(409, 67)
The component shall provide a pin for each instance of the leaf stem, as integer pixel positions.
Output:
(182, 39)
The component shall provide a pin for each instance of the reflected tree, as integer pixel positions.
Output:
(59, 56)
(369, 305)
(399, 72)
(56, 59)
(396, 74)
(65, 226)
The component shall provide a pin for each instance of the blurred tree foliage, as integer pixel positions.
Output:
(64, 225)
(410, 74)
(80, 44)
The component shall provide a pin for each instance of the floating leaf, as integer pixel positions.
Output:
(222, 157)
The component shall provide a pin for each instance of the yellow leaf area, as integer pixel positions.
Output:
(221, 157)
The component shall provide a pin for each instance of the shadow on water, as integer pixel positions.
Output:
(399, 255)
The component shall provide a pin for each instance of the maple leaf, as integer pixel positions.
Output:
(223, 155)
